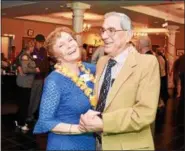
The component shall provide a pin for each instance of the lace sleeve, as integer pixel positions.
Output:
(48, 108)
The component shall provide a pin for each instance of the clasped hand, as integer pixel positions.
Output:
(90, 122)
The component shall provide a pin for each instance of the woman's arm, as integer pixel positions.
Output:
(48, 121)
(63, 128)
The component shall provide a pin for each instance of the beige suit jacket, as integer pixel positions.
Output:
(132, 103)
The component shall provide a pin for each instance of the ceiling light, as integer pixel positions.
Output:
(87, 16)
(165, 24)
(180, 8)
(46, 8)
(61, 6)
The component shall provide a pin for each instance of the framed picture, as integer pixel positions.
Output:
(180, 52)
(30, 32)
(26, 40)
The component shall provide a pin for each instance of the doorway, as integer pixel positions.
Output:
(5, 44)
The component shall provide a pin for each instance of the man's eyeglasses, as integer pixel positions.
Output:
(110, 31)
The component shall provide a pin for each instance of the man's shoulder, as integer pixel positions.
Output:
(102, 59)
(146, 60)
(146, 57)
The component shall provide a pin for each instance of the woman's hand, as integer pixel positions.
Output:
(75, 129)
(71, 129)
(79, 130)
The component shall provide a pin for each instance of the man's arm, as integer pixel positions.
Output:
(141, 114)
(43, 64)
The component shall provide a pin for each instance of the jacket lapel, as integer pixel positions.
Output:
(124, 74)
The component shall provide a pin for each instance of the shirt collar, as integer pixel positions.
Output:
(120, 59)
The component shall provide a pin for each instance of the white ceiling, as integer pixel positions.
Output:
(170, 11)
(9, 4)
(138, 11)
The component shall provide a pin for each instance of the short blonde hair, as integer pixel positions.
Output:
(52, 37)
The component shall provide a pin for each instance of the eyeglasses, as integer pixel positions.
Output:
(110, 31)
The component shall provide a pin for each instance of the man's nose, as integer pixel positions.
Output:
(104, 35)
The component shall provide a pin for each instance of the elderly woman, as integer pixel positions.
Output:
(67, 93)
(24, 82)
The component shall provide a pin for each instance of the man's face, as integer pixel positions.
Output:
(114, 40)
(38, 44)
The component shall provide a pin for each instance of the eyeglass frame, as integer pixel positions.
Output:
(101, 32)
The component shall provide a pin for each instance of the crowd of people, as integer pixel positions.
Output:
(114, 111)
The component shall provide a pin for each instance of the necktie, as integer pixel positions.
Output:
(105, 86)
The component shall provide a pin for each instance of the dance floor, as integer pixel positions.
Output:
(169, 133)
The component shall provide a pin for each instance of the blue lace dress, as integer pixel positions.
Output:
(63, 101)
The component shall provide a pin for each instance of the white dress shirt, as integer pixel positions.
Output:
(120, 59)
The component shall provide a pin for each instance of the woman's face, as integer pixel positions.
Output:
(66, 48)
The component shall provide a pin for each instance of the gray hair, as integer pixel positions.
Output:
(144, 41)
(125, 21)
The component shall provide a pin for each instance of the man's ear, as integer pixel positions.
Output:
(129, 35)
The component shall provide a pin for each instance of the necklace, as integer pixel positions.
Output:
(80, 81)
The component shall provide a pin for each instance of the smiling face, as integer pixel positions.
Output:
(114, 37)
(66, 48)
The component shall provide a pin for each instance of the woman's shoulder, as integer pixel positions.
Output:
(55, 77)
(91, 66)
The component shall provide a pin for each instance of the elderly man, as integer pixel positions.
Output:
(144, 45)
(127, 89)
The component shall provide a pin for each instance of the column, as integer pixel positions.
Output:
(171, 55)
(78, 9)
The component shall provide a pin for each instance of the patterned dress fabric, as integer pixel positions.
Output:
(105, 86)
(63, 101)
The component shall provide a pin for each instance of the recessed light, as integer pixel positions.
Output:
(180, 8)
(61, 6)
(46, 8)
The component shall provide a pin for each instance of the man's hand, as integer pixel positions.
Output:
(90, 114)
(90, 122)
